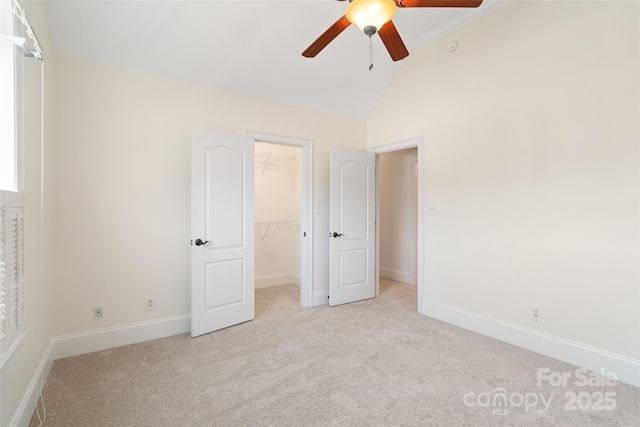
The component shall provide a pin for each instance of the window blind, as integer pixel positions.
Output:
(11, 274)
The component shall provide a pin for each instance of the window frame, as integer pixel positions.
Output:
(14, 327)
(18, 78)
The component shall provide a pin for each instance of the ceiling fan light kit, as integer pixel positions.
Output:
(370, 15)
(374, 16)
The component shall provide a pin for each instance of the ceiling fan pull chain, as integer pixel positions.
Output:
(370, 53)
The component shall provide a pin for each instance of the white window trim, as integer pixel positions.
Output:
(19, 113)
(12, 329)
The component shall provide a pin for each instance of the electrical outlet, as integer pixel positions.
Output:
(431, 210)
(536, 313)
(149, 303)
(97, 312)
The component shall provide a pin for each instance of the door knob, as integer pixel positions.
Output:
(337, 234)
(199, 242)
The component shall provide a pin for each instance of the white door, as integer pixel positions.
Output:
(222, 230)
(352, 217)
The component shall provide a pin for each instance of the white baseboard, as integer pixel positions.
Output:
(320, 298)
(626, 369)
(397, 275)
(29, 401)
(270, 280)
(87, 342)
(102, 339)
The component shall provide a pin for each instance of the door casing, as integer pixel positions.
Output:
(306, 214)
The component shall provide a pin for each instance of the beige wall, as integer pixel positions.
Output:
(20, 372)
(122, 185)
(531, 152)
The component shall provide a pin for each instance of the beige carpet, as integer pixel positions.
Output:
(375, 362)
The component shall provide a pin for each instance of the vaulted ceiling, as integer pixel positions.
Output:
(250, 47)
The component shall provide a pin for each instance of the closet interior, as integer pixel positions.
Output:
(278, 197)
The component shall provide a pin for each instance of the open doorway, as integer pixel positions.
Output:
(413, 172)
(278, 198)
(398, 217)
(223, 225)
(283, 213)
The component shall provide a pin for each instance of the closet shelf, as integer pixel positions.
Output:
(273, 157)
(276, 224)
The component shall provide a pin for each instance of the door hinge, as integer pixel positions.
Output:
(304, 234)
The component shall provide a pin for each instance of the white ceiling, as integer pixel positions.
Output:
(251, 47)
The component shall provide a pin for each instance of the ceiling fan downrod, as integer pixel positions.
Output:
(370, 53)
(370, 30)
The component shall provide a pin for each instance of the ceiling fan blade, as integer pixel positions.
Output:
(393, 42)
(326, 37)
(439, 3)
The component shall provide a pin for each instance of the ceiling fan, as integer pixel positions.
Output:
(373, 16)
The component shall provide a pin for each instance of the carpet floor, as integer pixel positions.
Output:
(371, 363)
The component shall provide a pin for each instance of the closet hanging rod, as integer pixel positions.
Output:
(281, 224)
